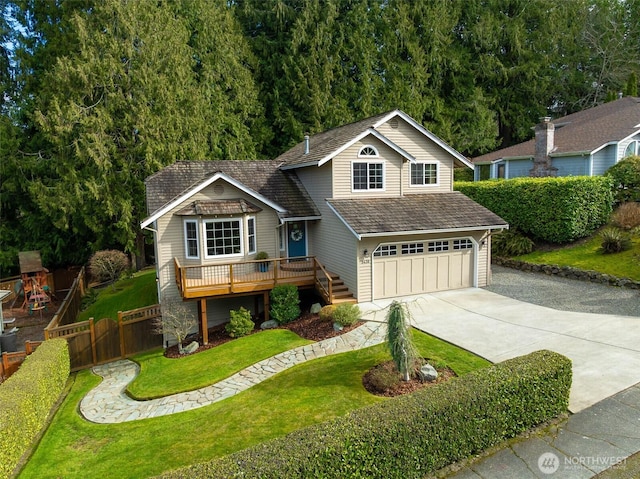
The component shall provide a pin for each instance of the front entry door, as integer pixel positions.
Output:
(297, 239)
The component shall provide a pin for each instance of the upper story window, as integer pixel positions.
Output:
(633, 148)
(367, 176)
(191, 243)
(424, 174)
(368, 151)
(223, 237)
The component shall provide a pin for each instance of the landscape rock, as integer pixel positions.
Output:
(315, 308)
(428, 373)
(269, 324)
(338, 327)
(191, 347)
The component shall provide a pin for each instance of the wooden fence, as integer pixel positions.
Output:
(12, 361)
(95, 342)
(70, 307)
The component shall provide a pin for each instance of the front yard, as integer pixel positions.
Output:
(303, 395)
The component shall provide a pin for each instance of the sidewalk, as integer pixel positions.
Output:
(585, 444)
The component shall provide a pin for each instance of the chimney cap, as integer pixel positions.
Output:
(545, 119)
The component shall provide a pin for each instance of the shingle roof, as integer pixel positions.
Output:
(219, 207)
(281, 187)
(425, 212)
(584, 131)
(322, 144)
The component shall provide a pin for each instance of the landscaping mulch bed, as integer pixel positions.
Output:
(401, 387)
(308, 326)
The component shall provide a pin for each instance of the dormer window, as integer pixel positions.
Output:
(368, 151)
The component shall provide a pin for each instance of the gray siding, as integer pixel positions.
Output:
(572, 165)
(518, 168)
(604, 159)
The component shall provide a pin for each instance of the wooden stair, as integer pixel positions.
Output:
(340, 292)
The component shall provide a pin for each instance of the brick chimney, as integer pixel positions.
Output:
(544, 145)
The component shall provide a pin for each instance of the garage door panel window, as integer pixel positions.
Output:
(412, 248)
(438, 246)
(386, 250)
(461, 244)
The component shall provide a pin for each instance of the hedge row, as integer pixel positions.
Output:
(411, 436)
(557, 210)
(26, 399)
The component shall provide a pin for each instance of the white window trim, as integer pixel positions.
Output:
(222, 220)
(186, 242)
(255, 235)
(429, 185)
(375, 152)
(636, 149)
(384, 174)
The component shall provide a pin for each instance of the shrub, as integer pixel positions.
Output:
(326, 313)
(240, 324)
(285, 302)
(108, 265)
(557, 210)
(346, 314)
(413, 435)
(627, 216)
(626, 179)
(90, 297)
(382, 378)
(26, 399)
(614, 240)
(510, 243)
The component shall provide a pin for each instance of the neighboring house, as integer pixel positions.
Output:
(586, 143)
(361, 212)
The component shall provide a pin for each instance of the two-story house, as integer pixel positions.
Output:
(360, 212)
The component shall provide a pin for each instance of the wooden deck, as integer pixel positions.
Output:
(199, 282)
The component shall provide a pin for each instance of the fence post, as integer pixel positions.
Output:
(123, 352)
(94, 353)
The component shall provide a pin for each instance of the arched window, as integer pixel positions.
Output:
(368, 151)
(633, 148)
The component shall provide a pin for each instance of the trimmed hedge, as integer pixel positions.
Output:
(26, 399)
(557, 210)
(411, 436)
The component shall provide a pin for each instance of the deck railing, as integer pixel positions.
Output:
(250, 276)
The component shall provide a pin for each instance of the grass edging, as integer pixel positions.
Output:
(27, 398)
(412, 435)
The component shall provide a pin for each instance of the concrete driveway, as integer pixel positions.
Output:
(605, 349)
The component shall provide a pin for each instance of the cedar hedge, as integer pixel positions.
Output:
(26, 399)
(557, 210)
(411, 436)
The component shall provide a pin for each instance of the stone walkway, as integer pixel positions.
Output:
(108, 403)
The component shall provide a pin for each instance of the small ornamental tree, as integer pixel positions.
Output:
(285, 303)
(399, 339)
(108, 265)
(176, 320)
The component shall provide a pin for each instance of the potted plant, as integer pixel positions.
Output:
(264, 266)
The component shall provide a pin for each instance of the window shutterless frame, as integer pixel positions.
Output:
(191, 239)
(223, 237)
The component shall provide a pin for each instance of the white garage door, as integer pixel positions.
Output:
(422, 267)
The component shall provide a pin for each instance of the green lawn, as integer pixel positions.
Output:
(130, 293)
(586, 255)
(160, 376)
(303, 395)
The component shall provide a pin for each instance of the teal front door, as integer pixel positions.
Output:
(297, 239)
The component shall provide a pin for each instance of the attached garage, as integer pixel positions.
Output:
(401, 269)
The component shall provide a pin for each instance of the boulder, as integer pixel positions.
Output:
(315, 308)
(269, 324)
(338, 327)
(191, 348)
(428, 373)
